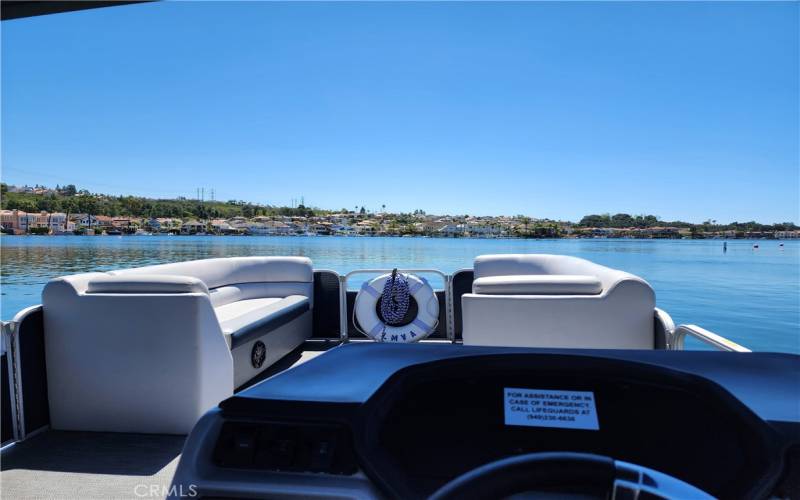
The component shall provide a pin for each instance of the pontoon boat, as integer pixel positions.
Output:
(526, 373)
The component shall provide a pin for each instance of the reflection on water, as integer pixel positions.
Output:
(751, 296)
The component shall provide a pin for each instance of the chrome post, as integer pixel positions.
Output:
(710, 338)
(668, 325)
(9, 332)
(343, 308)
(448, 302)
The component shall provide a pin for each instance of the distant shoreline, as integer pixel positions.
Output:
(436, 237)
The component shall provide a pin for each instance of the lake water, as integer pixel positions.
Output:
(751, 296)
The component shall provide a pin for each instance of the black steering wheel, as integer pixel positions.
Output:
(565, 472)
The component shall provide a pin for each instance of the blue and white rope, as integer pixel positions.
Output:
(395, 298)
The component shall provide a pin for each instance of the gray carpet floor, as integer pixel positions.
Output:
(90, 465)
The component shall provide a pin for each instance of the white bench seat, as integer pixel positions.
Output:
(150, 349)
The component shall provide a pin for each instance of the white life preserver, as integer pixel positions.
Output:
(422, 326)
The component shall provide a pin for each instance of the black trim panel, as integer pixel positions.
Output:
(326, 304)
(33, 371)
(17, 9)
(462, 283)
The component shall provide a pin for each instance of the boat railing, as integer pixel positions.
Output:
(719, 342)
(11, 404)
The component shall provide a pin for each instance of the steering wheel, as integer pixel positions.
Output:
(566, 472)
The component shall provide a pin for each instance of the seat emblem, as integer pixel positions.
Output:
(258, 354)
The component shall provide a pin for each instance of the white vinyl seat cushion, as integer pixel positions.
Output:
(545, 284)
(229, 270)
(145, 283)
(232, 315)
(239, 316)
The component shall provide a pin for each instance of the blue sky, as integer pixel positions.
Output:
(684, 110)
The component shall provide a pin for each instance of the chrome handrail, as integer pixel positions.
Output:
(669, 327)
(710, 338)
(8, 330)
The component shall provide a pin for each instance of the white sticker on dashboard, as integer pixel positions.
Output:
(547, 408)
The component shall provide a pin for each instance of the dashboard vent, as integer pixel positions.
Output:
(289, 447)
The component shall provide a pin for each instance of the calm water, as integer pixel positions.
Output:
(750, 296)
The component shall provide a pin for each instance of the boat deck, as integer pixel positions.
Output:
(102, 465)
(90, 465)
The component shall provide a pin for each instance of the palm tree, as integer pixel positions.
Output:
(525, 222)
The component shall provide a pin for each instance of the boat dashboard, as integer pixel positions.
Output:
(402, 421)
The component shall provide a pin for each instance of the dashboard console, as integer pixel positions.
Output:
(387, 420)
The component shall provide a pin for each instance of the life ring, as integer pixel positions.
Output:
(420, 327)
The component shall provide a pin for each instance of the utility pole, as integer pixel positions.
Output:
(202, 194)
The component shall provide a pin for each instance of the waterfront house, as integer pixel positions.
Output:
(238, 224)
(39, 220)
(256, 229)
(29, 221)
(278, 227)
(342, 229)
(153, 224)
(193, 227)
(168, 223)
(221, 226)
(124, 224)
(58, 223)
(104, 222)
(321, 228)
(660, 232)
(366, 227)
(14, 220)
(452, 230)
(85, 220)
(236, 221)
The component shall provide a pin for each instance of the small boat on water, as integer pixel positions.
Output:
(253, 377)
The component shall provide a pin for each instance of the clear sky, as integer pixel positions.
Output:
(683, 110)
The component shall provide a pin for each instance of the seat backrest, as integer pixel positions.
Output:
(240, 278)
(234, 270)
(547, 264)
(132, 354)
